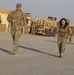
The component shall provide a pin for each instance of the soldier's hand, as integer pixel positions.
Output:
(13, 21)
(22, 23)
(57, 30)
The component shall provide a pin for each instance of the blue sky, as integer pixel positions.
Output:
(43, 8)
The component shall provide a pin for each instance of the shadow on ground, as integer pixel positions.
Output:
(69, 43)
(51, 41)
(35, 50)
(6, 51)
(56, 42)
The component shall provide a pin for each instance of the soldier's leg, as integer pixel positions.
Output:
(44, 31)
(15, 42)
(63, 46)
(34, 30)
(60, 49)
(59, 45)
(26, 29)
(13, 34)
(70, 39)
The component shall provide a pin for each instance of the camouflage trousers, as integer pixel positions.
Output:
(33, 30)
(70, 38)
(61, 44)
(15, 36)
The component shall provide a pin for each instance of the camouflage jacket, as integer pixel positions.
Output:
(19, 18)
(63, 31)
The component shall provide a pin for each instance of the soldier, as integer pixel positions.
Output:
(63, 28)
(17, 20)
(34, 24)
(0, 19)
(70, 34)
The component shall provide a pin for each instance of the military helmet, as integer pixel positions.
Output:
(55, 18)
(18, 5)
(49, 17)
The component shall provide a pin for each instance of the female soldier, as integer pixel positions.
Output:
(62, 30)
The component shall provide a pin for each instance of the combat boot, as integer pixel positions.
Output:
(13, 54)
(61, 55)
(14, 51)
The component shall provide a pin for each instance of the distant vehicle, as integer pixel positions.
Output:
(47, 26)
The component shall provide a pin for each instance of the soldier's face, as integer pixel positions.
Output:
(18, 8)
(63, 22)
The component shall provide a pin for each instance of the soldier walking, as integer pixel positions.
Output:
(70, 34)
(63, 28)
(17, 20)
(33, 27)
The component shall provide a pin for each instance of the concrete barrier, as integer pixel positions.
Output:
(2, 27)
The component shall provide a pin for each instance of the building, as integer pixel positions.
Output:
(4, 14)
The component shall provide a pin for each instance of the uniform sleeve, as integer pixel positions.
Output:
(25, 19)
(67, 29)
(9, 17)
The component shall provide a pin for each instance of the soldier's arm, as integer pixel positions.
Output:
(9, 17)
(66, 29)
(24, 19)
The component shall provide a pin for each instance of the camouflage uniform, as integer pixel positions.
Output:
(16, 27)
(34, 24)
(62, 34)
(70, 34)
